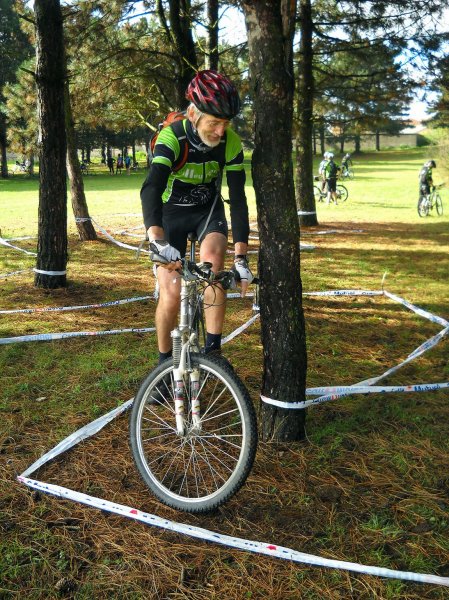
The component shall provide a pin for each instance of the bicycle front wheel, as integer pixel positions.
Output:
(206, 465)
(197, 322)
(317, 194)
(423, 207)
(342, 192)
(439, 204)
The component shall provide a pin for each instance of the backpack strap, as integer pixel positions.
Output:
(179, 131)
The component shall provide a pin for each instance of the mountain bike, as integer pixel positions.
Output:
(321, 195)
(193, 429)
(428, 202)
(347, 172)
(21, 167)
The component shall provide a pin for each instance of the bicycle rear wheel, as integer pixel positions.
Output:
(439, 204)
(423, 207)
(201, 469)
(342, 192)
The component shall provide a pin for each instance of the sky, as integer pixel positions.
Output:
(418, 110)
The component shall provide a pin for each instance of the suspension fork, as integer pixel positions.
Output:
(180, 391)
(181, 349)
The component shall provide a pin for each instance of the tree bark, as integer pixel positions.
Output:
(84, 225)
(305, 199)
(270, 27)
(3, 157)
(50, 76)
(322, 139)
(179, 34)
(212, 55)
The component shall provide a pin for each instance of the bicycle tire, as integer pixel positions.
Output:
(423, 207)
(439, 204)
(317, 194)
(195, 472)
(342, 192)
(198, 325)
(350, 174)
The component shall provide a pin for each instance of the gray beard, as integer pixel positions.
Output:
(208, 144)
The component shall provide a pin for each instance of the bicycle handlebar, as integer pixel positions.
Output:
(191, 270)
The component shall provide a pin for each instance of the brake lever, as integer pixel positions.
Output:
(157, 258)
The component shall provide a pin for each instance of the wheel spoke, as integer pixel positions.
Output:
(195, 471)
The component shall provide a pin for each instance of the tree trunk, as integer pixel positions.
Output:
(179, 33)
(322, 140)
(211, 60)
(377, 140)
(50, 75)
(357, 144)
(85, 228)
(270, 28)
(305, 199)
(3, 157)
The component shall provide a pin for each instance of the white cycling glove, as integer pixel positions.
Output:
(164, 249)
(242, 273)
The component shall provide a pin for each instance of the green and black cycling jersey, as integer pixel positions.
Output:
(195, 183)
(331, 170)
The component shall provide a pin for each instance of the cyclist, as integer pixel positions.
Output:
(331, 171)
(426, 179)
(175, 203)
(321, 168)
(346, 162)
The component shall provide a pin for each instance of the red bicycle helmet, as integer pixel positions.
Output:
(214, 94)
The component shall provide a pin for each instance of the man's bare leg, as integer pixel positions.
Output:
(167, 307)
(213, 250)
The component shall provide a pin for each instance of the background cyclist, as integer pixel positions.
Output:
(331, 171)
(426, 179)
(321, 169)
(176, 203)
(346, 163)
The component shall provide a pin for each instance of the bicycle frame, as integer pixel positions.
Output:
(185, 339)
(193, 428)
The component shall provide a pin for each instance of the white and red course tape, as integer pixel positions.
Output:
(268, 549)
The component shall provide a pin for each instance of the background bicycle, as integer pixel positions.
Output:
(347, 172)
(21, 167)
(321, 195)
(431, 201)
(193, 429)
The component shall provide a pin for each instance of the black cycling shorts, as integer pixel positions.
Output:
(331, 184)
(179, 221)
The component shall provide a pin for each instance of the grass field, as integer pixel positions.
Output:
(370, 483)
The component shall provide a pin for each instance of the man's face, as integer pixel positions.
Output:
(211, 129)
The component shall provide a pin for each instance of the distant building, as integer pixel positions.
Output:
(415, 127)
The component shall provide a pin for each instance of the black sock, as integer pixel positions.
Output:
(164, 355)
(213, 342)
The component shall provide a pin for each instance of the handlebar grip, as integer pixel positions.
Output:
(255, 281)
